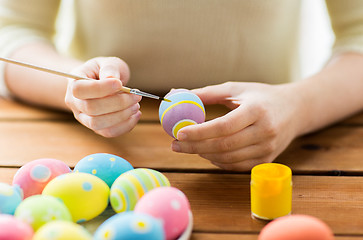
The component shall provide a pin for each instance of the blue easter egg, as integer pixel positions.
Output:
(10, 198)
(130, 225)
(106, 166)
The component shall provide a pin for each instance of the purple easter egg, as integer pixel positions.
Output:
(185, 109)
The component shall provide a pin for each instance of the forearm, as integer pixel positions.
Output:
(331, 95)
(38, 87)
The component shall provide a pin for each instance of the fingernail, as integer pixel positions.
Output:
(135, 108)
(137, 97)
(116, 85)
(181, 136)
(175, 147)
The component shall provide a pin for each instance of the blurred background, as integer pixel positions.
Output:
(317, 36)
(316, 41)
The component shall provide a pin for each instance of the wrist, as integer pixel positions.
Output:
(298, 102)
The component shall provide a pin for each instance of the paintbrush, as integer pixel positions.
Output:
(68, 75)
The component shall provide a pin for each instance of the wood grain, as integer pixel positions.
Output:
(336, 150)
(16, 111)
(146, 146)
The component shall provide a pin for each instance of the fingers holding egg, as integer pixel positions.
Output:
(184, 109)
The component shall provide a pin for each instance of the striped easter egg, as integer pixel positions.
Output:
(130, 186)
(185, 109)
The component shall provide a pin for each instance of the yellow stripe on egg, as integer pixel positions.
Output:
(179, 125)
(155, 181)
(118, 200)
(178, 103)
(136, 185)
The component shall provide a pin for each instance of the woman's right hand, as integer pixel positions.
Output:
(99, 104)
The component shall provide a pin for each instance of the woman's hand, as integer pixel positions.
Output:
(260, 126)
(99, 104)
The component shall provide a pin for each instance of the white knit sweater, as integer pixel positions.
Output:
(173, 43)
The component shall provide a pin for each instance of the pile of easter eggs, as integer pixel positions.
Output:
(47, 200)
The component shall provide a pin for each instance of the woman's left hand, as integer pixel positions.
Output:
(263, 121)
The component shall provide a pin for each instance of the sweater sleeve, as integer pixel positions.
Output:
(23, 22)
(347, 23)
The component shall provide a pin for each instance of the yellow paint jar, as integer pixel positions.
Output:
(271, 191)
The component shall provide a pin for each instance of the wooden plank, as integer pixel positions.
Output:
(218, 236)
(15, 111)
(335, 150)
(146, 146)
(213, 236)
(221, 202)
(7, 174)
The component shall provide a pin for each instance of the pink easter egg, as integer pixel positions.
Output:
(296, 227)
(168, 204)
(35, 175)
(14, 229)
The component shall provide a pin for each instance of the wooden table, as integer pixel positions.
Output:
(327, 167)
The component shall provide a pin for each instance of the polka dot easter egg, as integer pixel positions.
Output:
(10, 198)
(132, 185)
(185, 109)
(37, 210)
(85, 195)
(62, 230)
(35, 175)
(14, 229)
(168, 204)
(130, 225)
(106, 166)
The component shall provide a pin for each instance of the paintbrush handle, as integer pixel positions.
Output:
(48, 70)
(69, 75)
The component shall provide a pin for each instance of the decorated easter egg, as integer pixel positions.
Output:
(106, 166)
(37, 210)
(85, 195)
(296, 227)
(10, 198)
(62, 230)
(14, 229)
(132, 185)
(33, 176)
(185, 109)
(168, 204)
(130, 225)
